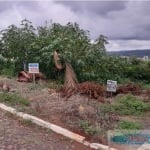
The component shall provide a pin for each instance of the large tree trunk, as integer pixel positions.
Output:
(71, 82)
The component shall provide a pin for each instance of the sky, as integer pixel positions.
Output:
(125, 23)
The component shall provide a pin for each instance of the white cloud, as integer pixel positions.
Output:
(118, 45)
(57, 12)
(126, 26)
(45, 10)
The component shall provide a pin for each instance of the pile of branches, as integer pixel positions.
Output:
(91, 89)
(129, 88)
(24, 76)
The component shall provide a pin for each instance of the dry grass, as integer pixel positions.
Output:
(52, 107)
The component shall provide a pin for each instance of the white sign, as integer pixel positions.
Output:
(111, 85)
(33, 67)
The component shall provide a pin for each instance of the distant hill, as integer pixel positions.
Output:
(132, 53)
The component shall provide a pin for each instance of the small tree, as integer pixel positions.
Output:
(17, 42)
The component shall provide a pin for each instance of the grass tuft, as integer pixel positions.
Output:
(128, 125)
(13, 99)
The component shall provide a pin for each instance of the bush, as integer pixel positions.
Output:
(137, 71)
(9, 72)
(6, 68)
(130, 105)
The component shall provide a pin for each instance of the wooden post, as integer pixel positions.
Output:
(111, 93)
(34, 78)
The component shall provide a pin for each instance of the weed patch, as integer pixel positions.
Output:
(129, 125)
(52, 84)
(146, 86)
(13, 99)
(106, 117)
(130, 105)
(88, 129)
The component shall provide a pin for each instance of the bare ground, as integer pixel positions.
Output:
(16, 134)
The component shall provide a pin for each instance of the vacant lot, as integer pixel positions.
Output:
(79, 113)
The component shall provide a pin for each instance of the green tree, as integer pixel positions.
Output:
(70, 41)
(27, 37)
(17, 43)
(29, 44)
(100, 43)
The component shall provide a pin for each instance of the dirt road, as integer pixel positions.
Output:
(16, 134)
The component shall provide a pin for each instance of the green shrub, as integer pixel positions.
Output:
(138, 71)
(9, 72)
(146, 86)
(129, 125)
(130, 105)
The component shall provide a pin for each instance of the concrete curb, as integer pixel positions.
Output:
(145, 146)
(55, 128)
